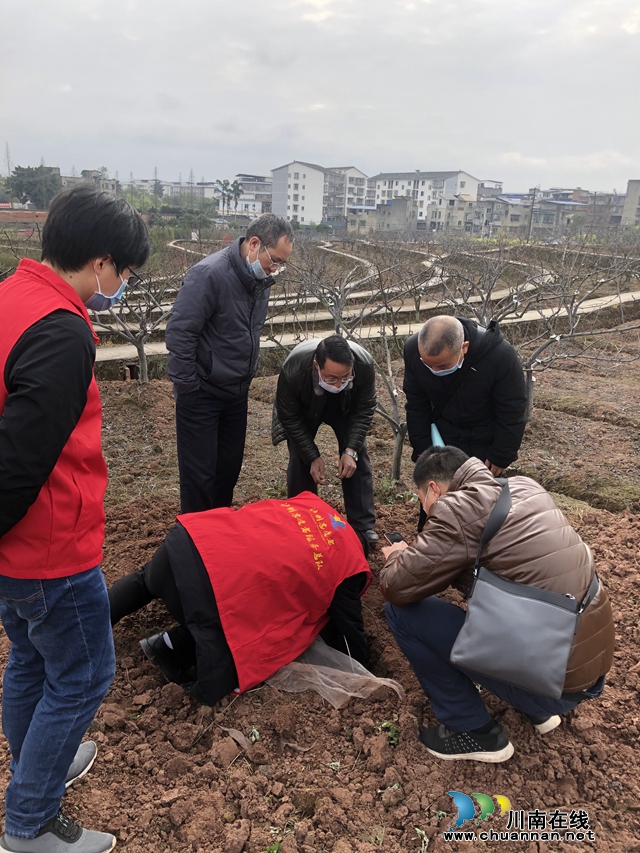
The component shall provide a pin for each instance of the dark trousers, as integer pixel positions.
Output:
(357, 490)
(426, 631)
(210, 433)
(207, 646)
(155, 580)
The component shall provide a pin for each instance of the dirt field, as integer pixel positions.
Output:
(169, 778)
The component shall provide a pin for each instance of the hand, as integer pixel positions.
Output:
(388, 550)
(346, 467)
(317, 472)
(495, 469)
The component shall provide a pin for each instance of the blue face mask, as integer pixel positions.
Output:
(256, 269)
(99, 302)
(444, 372)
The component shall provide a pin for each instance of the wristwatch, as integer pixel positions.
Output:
(351, 453)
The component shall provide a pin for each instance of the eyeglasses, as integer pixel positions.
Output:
(337, 380)
(132, 279)
(275, 266)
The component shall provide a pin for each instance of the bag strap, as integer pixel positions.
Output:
(466, 367)
(594, 586)
(495, 520)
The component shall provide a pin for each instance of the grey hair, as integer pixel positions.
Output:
(269, 228)
(440, 333)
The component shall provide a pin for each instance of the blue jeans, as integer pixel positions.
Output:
(60, 666)
(426, 631)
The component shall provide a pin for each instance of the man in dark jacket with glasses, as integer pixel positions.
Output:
(213, 338)
(331, 381)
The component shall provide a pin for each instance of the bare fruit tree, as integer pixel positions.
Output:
(555, 303)
(145, 307)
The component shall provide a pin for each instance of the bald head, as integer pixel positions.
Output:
(439, 335)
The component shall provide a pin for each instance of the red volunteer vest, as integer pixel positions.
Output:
(63, 531)
(273, 605)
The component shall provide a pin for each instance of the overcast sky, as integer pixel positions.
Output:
(525, 91)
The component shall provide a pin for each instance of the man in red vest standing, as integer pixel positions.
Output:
(251, 590)
(53, 598)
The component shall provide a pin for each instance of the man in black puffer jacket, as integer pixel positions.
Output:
(485, 413)
(485, 417)
(330, 381)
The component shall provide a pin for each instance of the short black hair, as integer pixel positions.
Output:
(334, 348)
(85, 223)
(438, 464)
(269, 228)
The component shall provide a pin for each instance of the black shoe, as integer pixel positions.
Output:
(544, 725)
(164, 658)
(493, 747)
(60, 835)
(371, 536)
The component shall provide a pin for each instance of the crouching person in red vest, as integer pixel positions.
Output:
(251, 589)
(53, 598)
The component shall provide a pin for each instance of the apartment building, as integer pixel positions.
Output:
(631, 208)
(256, 194)
(88, 176)
(424, 187)
(297, 191)
(306, 192)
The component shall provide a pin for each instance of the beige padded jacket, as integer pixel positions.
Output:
(536, 545)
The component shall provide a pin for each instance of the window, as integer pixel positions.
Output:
(288, 208)
(463, 184)
(451, 202)
(295, 206)
(295, 186)
(294, 218)
(515, 217)
(396, 183)
(352, 222)
(459, 221)
(295, 197)
(434, 215)
(302, 198)
(302, 217)
(363, 222)
(304, 176)
(288, 198)
(296, 175)
(303, 186)
(302, 208)
(288, 186)
(422, 193)
(352, 181)
(421, 204)
(423, 185)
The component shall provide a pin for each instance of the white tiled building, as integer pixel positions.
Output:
(298, 191)
(306, 192)
(424, 187)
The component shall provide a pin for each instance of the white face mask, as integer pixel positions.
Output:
(332, 389)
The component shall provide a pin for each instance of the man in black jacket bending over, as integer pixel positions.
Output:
(331, 381)
(469, 382)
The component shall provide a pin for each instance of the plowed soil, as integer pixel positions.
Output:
(169, 777)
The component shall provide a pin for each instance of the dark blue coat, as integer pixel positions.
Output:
(213, 335)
